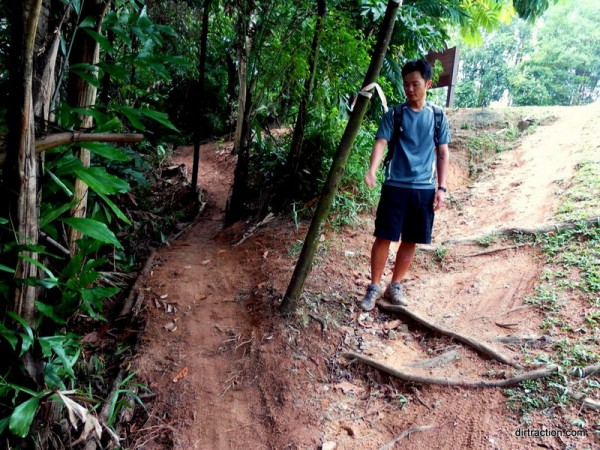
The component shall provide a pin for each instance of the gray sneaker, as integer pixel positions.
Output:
(374, 291)
(395, 294)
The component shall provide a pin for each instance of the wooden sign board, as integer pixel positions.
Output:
(449, 59)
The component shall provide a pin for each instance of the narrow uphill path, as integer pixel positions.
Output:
(196, 352)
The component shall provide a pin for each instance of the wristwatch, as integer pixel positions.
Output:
(443, 189)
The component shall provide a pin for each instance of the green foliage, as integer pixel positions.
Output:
(487, 68)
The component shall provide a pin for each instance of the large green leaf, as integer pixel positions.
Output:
(100, 181)
(49, 312)
(93, 229)
(101, 40)
(60, 183)
(48, 215)
(27, 337)
(160, 117)
(4, 423)
(6, 269)
(22, 416)
(115, 209)
(107, 151)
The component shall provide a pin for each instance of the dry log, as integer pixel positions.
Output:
(444, 381)
(467, 340)
(585, 402)
(131, 298)
(390, 445)
(54, 140)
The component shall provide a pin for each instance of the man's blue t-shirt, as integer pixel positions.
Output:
(414, 162)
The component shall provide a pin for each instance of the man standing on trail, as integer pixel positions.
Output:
(417, 136)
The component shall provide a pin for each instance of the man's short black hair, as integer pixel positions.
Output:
(417, 65)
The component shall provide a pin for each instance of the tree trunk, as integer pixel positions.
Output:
(298, 136)
(81, 94)
(303, 266)
(201, 79)
(246, 25)
(236, 205)
(27, 212)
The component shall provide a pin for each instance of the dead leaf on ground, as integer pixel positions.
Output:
(171, 326)
(222, 251)
(346, 386)
(181, 375)
(391, 325)
(200, 297)
(205, 262)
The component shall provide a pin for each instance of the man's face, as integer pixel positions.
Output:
(415, 86)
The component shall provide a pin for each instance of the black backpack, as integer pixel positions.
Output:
(438, 114)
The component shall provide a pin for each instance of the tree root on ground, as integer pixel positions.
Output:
(467, 340)
(509, 232)
(444, 381)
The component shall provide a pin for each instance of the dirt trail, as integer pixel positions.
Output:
(255, 381)
(522, 190)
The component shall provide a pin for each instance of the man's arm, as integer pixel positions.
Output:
(376, 157)
(443, 162)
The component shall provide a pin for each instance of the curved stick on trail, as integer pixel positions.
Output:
(390, 445)
(467, 340)
(444, 381)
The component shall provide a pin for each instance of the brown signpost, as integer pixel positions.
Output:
(449, 59)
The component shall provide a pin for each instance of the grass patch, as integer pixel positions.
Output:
(581, 197)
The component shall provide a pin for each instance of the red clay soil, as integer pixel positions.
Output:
(230, 373)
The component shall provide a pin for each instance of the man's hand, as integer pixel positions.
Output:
(439, 199)
(371, 179)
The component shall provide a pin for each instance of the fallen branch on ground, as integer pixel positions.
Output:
(467, 340)
(406, 433)
(495, 250)
(320, 320)
(130, 302)
(585, 402)
(269, 217)
(444, 381)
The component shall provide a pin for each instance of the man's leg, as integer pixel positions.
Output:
(405, 255)
(379, 256)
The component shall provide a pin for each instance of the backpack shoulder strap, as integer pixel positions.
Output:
(438, 114)
(398, 112)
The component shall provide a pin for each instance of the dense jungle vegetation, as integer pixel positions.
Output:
(94, 94)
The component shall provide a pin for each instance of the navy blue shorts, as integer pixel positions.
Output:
(405, 212)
